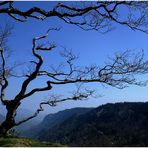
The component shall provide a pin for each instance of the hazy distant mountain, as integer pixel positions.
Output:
(52, 120)
(120, 124)
(23, 113)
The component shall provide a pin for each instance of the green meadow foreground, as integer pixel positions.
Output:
(25, 142)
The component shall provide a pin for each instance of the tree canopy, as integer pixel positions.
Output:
(120, 72)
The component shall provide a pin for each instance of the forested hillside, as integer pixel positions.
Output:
(53, 120)
(120, 124)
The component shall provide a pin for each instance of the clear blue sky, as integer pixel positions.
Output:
(93, 48)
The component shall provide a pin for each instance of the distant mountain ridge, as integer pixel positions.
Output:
(23, 113)
(52, 120)
(119, 124)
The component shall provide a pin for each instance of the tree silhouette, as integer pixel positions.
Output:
(120, 72)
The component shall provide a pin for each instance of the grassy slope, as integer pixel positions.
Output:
(25, 142)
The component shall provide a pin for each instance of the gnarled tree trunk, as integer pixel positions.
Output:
(9, 122)
(5, 127)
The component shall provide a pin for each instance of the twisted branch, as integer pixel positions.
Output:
(4, 81)
(53, 101)
(93, 16)
(21, 95)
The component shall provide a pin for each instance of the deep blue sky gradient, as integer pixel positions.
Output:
(92, 47)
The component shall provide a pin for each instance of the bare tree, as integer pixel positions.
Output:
(119, 72)
(97, 15)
